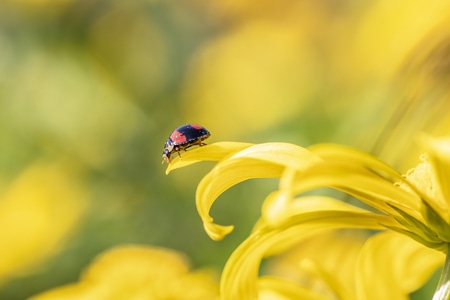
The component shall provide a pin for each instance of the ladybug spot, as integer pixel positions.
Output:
(195, 126)
(177, 137)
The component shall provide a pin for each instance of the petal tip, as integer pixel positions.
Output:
(217, 232)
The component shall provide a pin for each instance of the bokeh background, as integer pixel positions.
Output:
(91, 89)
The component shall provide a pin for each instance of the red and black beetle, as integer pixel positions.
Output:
(184, 137)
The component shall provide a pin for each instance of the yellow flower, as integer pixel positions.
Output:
(416, 205)
(37, 212)
(138, 272)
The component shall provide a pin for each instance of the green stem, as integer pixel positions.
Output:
(443, 288)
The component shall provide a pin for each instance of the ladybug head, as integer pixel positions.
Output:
(168, 148)
(166, 156)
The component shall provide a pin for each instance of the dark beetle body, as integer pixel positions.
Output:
(184, 137)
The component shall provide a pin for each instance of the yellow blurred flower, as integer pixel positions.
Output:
(388, 31)
(37, 211)
(138, 272)
(416, 205)
(256, 75)
(417, 93)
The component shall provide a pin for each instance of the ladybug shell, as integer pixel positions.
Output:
(188, 133)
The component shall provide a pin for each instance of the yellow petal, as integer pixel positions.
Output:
(396, 263)
(324, 262)
(258, 161)
(322, 219)
(276, 206)
(438, 150)
(272, 288)
(415, 201)
(329, 283)
(138, 272)
(365, 172)
(212, 152)
(276, 210)
(343, 153)
(423, 181)
(361, 183)
(278, 202)
(239, 278)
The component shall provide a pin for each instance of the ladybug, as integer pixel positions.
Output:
(184, 137)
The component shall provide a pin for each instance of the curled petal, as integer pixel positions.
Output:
(258, 161)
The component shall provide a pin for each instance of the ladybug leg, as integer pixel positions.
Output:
(198, 142)
(178, 149)
(190, 145)
(184, 148)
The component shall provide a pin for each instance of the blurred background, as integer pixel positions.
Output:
(91, 89)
